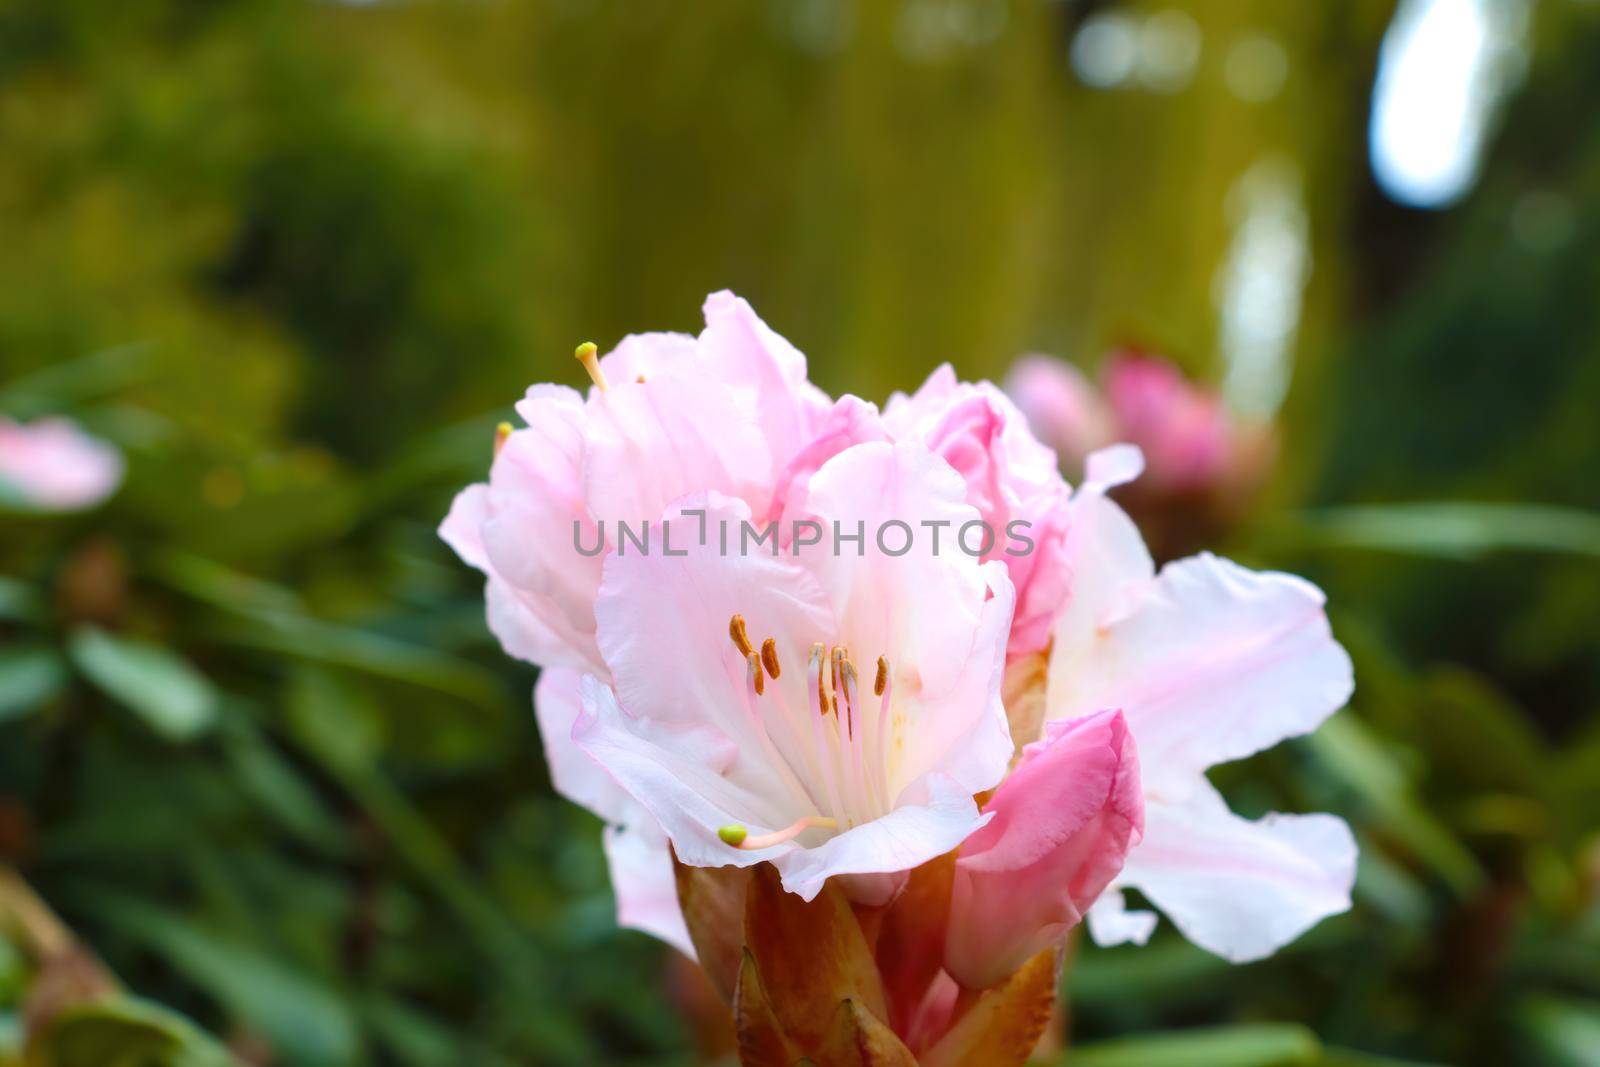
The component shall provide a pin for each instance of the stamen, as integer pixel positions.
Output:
(757, 678)
(769, 656)
(741, 639)
(587, 355)
(640, 379)
(815, 667)
(841, 680)
(881, 683)
(501, 434)
(778, 837)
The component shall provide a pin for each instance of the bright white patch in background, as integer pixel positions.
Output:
(1260, 285)
(1444, 66)
(1158, 52)
(1104, 49)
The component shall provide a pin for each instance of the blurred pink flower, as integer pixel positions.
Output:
(1063, 822)
(52, 465)
(1186, 436)
(1209, 662)
(1202, 464)
(1063, 408)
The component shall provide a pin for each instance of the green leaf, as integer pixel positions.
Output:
(274, 620)
(125, 1032)
(1451, 529)
(29, 677)
(315, 641)
(305, 1021)
(18, 600)
(172, 697)
(1344, 1057)
(1565, 1032)
(1253, 1045)
(1354, 755)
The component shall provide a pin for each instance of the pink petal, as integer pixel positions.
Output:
(852, 421)
(663, 630)
(748, 355)
(647, 444)
(1011, 478)
(1063, 822)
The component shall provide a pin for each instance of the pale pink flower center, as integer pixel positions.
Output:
(834, 752)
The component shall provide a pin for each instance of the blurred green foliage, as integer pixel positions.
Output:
(295, 258)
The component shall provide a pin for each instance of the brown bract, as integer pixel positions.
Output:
(824, 984)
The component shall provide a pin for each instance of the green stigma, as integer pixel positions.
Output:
(733, 834)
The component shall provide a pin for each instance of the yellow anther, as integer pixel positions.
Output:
(741, 639)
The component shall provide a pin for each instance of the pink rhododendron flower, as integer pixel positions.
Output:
(1209, 662)
(52, 465)
(728, 412)
(1063, 822)
(835, 709)
(832, 714)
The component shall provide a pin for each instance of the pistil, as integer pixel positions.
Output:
(588, 355)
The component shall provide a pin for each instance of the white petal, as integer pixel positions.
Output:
(679, 773)
(1111, 923)
(942, 816)
(1237, 888)
(575, 775)
(663, 629)
(643, 882)
(1211, 662)
(1109, 564)
(1112, 466)
(939, 617)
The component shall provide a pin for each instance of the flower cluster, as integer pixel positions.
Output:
(968, 752)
